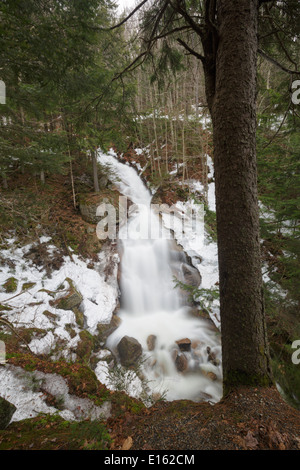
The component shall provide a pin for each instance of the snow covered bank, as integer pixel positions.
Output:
(32, 302)
(26, 390)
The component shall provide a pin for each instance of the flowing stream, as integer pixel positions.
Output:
(152, 307)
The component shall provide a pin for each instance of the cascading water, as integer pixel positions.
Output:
(151, 306)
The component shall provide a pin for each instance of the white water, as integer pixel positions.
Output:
(151, 305)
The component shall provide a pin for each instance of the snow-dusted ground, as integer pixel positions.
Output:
(26, 390)
(31, 308)
(28, 306)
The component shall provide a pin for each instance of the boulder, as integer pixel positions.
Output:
(184, 344)
(129, 350)
(191, 275)
(7, 410)
(181, 363)
(70, 301)
(106, 329)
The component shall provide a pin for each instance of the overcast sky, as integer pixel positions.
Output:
(126, 4)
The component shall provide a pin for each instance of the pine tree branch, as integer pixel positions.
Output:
(172, 31)
(273, 61)
(278, 130)
(129, 16)
(196, 27)
(190, 50)
(157, 21)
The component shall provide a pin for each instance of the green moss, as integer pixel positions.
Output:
(10, 285)
(51, 432)
(50, 315)
(69, 328)
(28, 285)
(29, 333)
(4, 308)
(123, 403)
(85, 346)
(70, 301)
(235, 379)
(79, 316)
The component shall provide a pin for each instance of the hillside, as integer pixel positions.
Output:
(52, 361)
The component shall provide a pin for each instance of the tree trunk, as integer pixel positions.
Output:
(233, 109)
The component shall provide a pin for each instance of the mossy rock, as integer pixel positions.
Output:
(70, 301)
(50, 315)
(10, 285)
(85, 346)
(106, 329)
(79, 316)
(28, 285)
(130, 350)
(7, 410)
(28, 334)
(69, 328)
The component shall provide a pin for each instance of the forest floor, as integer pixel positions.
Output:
(248, 419)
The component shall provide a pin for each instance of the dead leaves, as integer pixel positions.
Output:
(250, 441)
(127, 444)
(263, 437)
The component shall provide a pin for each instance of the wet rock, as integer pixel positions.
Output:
(184, 344)
(209, 374)
(151, 342)
(129, 350)
(106, 329)
(7, 410)
(212, 357)
(181, 363)
(191, 275)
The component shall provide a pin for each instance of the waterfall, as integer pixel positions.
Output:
(151, 305)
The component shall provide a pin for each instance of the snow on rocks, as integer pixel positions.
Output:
(38, 301)
(195, 240)
(36, 306)
(26, 390)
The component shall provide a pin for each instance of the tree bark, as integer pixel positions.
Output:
(233, 110)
